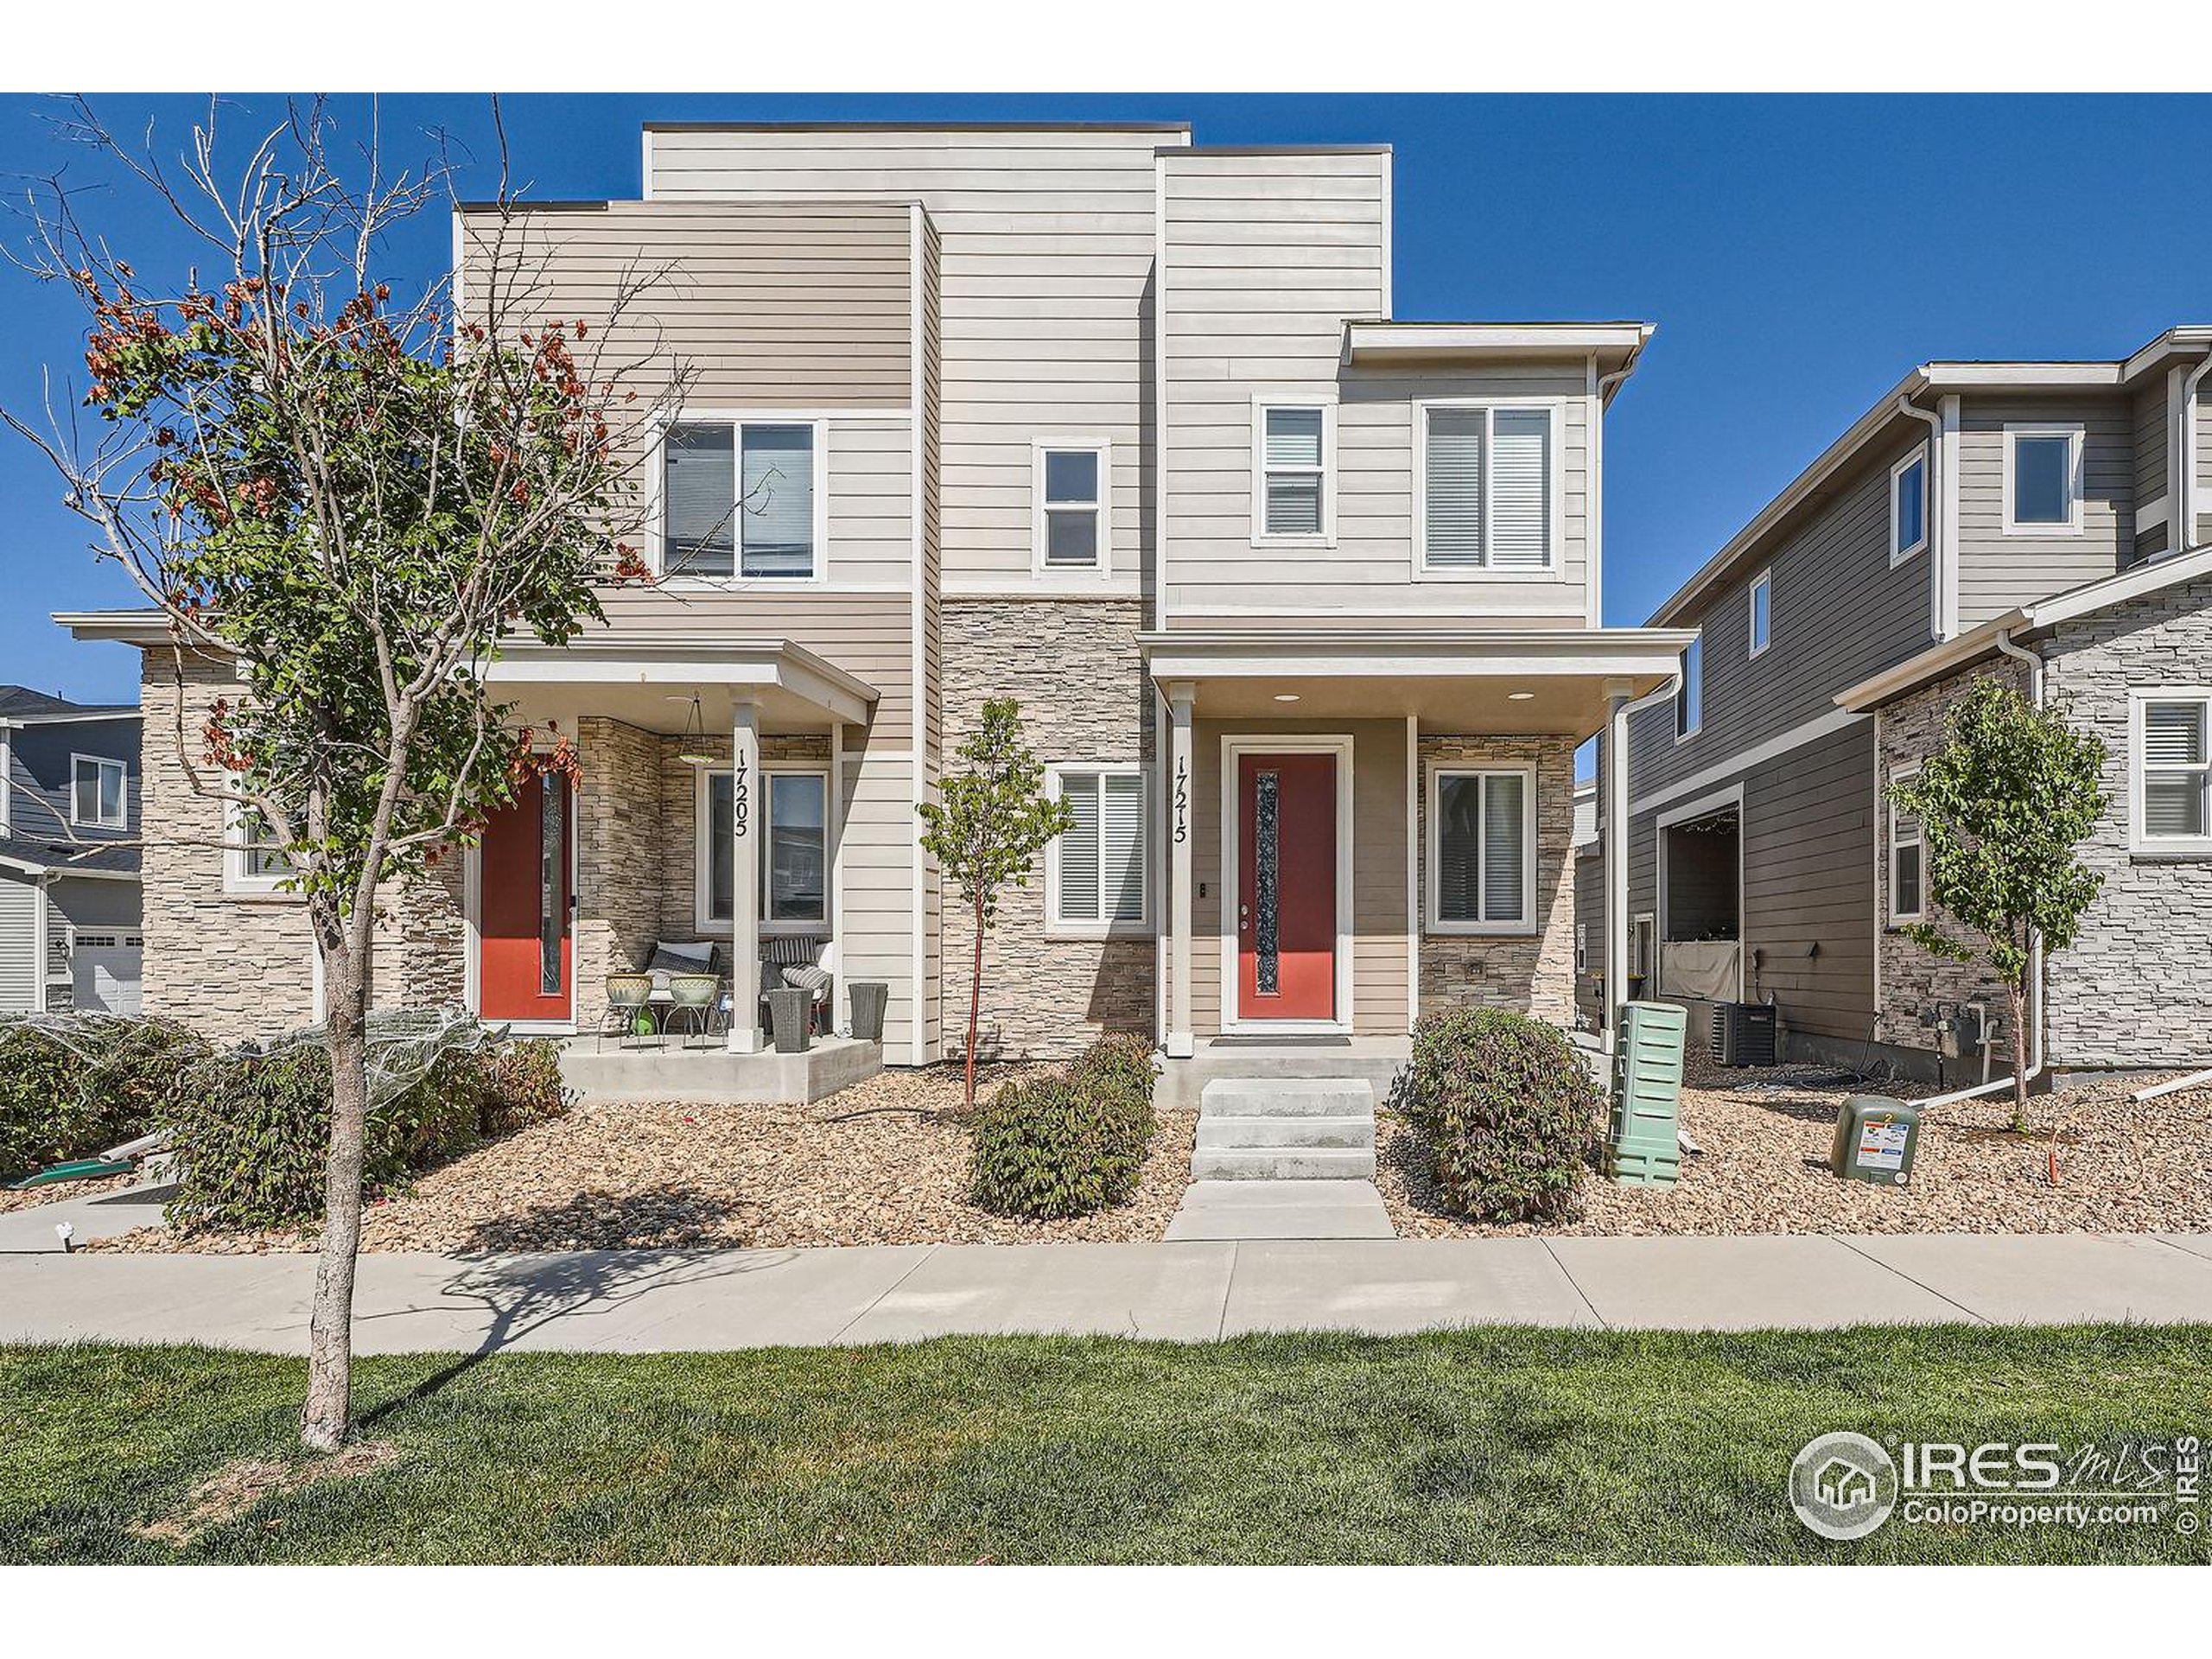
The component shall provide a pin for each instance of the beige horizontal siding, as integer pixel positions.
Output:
(1997, 571)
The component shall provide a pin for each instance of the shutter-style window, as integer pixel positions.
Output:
(1099, 862)
(1503, 846)
(1124, 847)
(1459, 846)
(1078, 849)
(1454, 487)
(1481, 848)
(2177, 778)
(777, 513)
(1291, 455)
(1520, 491)
(698, 499)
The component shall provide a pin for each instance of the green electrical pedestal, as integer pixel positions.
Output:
(1643, 1150)
(1875, 1140)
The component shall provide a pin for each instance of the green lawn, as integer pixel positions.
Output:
(1494, 1444)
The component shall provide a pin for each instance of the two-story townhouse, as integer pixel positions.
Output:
(1300, 604)
(69, 908)
(2039, 521)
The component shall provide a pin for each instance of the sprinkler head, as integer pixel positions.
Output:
(64, 1232)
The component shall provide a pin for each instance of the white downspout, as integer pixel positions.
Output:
(1939, 548)
(1616, 833)
(2181, 499)
(2019, 654)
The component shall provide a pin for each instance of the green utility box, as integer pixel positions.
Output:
(1875, 1140)
(1643, 1150)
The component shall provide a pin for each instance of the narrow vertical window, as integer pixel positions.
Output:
(699, 499)
(1762, 608)
(1293, 451)
(1267, 920)
(552, 879)
(775, 512)
(1908, 507)
(1689, 696)
(1907, 876)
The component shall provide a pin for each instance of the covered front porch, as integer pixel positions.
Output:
(1365, 826)
(694, 862)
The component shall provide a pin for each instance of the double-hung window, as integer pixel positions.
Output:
(2171, 744)
(252, 860)
(794, 849)
(1908, 506)
(1071, 529)
(1908, 876)
(1482, 840)
(1487, 478)
(742, 498)
(2043, 478)
(1095, 870)
(1761, 610)
(96, 793)
(1689, 696)
(1291, 488)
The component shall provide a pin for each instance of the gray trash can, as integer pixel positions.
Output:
(869, 998)
(790, 1017)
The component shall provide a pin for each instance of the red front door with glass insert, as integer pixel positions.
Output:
(1287, 887)
(526, 953)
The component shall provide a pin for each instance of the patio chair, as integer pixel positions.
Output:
(793, 960)
(693, 1000)
(626, 997)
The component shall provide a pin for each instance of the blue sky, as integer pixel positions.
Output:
(1797, 254)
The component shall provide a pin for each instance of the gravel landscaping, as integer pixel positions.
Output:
(2123, 1168)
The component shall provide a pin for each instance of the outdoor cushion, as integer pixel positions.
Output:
(808, 978)
(684, 956)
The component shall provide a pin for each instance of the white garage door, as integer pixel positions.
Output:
(104, 972)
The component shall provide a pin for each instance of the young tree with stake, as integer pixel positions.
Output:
(2004, 807)
(986, 830)
(347, 499)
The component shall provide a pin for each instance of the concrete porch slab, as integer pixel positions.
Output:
(1801, 1282)
(2051, 1277)
(1169, 1292)
(1390, 1286)
(714, 1077)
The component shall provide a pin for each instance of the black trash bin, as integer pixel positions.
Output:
(870, 997)
(790, 1013)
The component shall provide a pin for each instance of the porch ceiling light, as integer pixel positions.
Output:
(694, 751)
(1285, 697)
(1519, 696)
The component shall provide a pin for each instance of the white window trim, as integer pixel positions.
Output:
(1917, 458)
(1436, 924)
(1898, 775)
(1683, 734)
(1554, 555)
(1102, 566)
(102, 761)
(1757, 647)
(1056, 926)
(2139, 844)
(2072, 430)
(236, 877)
(1644, 925)
(703, 867)
(1260, 535)
(738, 419)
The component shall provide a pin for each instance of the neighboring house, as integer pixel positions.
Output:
(1978, 513)
(1300, 604)
(69, 909)
(1589, 909)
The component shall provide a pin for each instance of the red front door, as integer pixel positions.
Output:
(1286, 887)
(526, 952)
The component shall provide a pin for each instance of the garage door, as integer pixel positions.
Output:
(104, 972)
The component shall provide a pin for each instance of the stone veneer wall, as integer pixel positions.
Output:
(1074, 667)
(1912, 728)
(618, 874)
(2135, 989)
(1532, 974)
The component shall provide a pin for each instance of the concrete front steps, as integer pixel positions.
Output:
(1283, 1158)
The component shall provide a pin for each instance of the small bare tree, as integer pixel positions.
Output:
(350, 498)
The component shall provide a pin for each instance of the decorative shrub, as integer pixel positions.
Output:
(73, 1085)
(1067, 1144)
(1510, 1112)
(522, 1086)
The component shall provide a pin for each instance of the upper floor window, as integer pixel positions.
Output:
(742, 498)
(794, 854)
(1908, 506)
(1095, 872)
(1291, 463)
(1906, 877)
(96, 797)
(253, 862)
(1070, 528)
(2171, 768)
(2042, 478)
(1761, 610)
(1689, 696)
(1486, 485)
(1481, 836)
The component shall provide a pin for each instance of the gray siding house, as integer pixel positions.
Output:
(1831, 632)
(69, 906)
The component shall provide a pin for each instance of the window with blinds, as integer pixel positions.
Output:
(2174, 767)
(1481, 858)
(738, 499)
(1486, 488)
(1293, 449)
(1098, 866)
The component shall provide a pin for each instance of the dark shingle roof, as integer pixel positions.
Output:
(20, 702)
(52, 855)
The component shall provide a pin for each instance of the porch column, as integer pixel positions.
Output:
(745, 879)
(1615, 830)
(1180, 698)
(833, 852)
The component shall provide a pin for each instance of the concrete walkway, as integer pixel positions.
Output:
(646, 1301)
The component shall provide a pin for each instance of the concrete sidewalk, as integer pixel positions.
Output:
(648, 1301)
